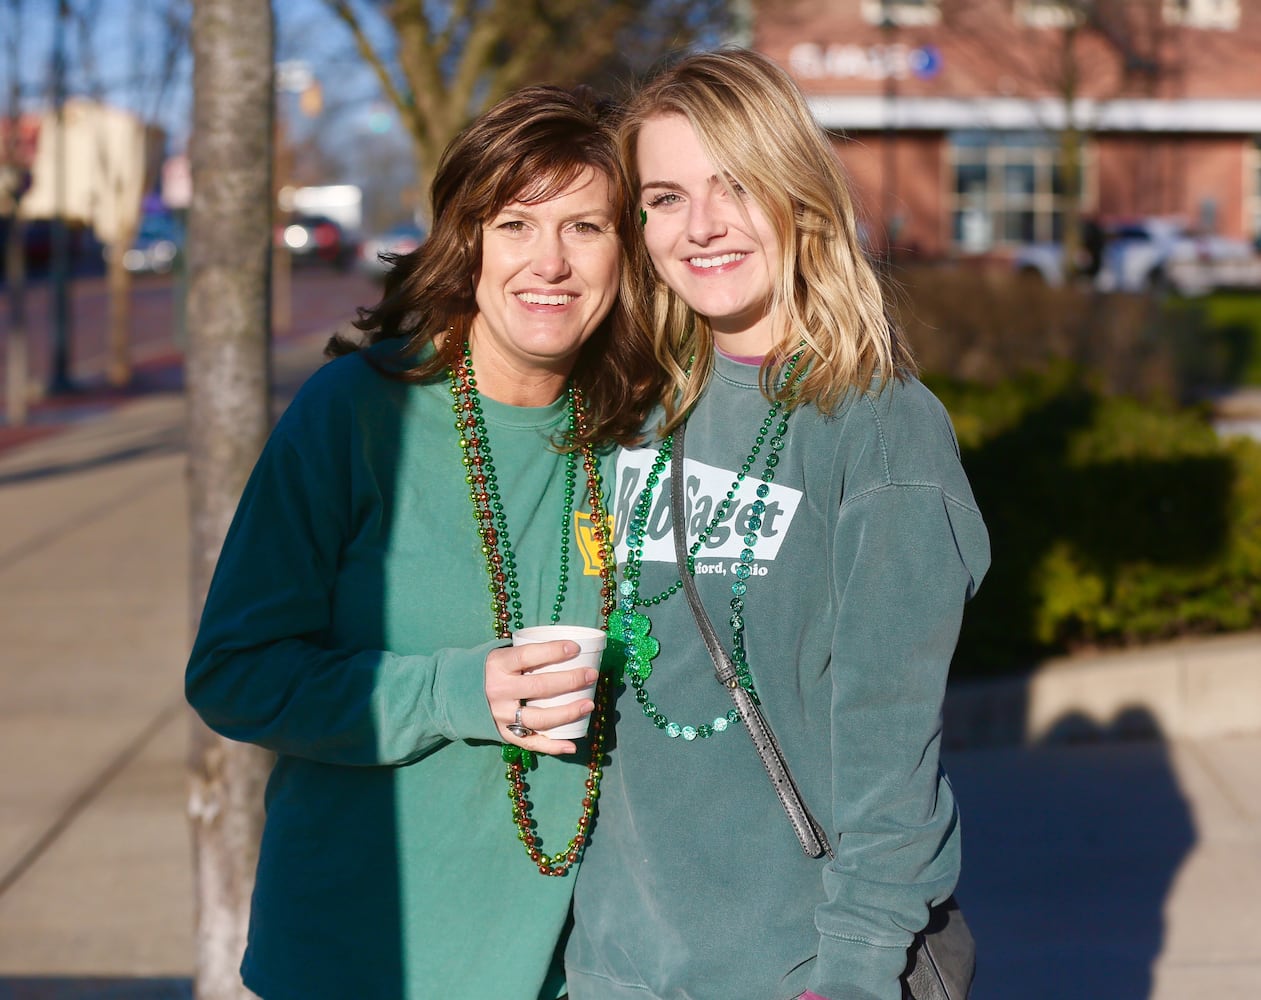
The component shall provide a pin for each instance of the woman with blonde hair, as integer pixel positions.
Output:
(833, 539)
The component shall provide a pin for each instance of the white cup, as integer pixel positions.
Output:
(591, 645)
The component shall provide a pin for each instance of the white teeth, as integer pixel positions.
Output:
(534, 299)
(727, 258)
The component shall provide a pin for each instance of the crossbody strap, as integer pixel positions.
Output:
(810, 834)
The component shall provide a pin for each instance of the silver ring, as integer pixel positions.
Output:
(518, 728)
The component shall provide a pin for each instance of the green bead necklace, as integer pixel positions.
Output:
(504, 587)
(638, 648)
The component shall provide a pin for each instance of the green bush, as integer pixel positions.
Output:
(987, 325)
(1113, 521)
(1218, 338)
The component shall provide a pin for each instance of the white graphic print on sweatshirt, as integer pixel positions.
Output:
(705, 486)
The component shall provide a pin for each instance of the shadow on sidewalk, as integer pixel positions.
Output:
(156, 443)
(95, 989)
(1070, 851)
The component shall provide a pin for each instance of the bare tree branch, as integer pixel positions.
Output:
(449, 60)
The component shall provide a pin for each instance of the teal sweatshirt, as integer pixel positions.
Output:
(346, 629)
(694, 885)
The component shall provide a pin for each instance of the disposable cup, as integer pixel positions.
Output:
(591, 645)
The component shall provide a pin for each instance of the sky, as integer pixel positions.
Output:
(121, 57)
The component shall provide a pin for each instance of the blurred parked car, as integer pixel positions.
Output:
(317, 238)
(83, 249)
(394, 242)
(158, 245)
(1153, 254)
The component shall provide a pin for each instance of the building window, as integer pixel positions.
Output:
(1222, 15)
(1006, 188)
(902, 12)
(1048, 13)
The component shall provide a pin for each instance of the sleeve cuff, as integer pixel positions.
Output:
(461, 692)
(851, 970)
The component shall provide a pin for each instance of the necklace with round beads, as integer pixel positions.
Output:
(631, 627)
(492, 528)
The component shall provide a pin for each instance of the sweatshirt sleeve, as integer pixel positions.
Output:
(916, 554)
(262, 668)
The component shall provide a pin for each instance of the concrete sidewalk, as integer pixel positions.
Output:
(95, 873)
(1111, 869)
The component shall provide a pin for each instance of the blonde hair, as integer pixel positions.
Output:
(754, 124)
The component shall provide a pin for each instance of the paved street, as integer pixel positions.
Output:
(1106, 870)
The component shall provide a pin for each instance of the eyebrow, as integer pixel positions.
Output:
(582, 213)
(675, 186)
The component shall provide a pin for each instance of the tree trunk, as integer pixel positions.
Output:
(1071, 171)
(118, 278)
(1070, 142)
(17, 361)
(228, 386)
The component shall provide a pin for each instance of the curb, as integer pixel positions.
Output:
(1185, 689)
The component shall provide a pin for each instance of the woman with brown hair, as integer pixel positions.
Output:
(420, 499)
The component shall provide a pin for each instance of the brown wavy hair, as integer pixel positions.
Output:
(528, 148)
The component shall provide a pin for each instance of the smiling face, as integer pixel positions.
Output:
(714, 247)
(548, 277)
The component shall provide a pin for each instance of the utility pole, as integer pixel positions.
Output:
(60, 380)
(17, 362)
(888, 140)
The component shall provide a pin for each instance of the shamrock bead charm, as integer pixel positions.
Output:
(513, 754)
(634, 647)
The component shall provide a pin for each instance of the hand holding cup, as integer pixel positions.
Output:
(541, 690)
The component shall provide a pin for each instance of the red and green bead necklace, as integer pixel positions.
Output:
(492, 528)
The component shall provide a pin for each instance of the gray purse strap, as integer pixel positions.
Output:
(810, 834)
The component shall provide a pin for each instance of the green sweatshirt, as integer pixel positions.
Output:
(346, 629)
(694, 885)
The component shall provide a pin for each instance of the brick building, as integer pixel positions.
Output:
(963, 122)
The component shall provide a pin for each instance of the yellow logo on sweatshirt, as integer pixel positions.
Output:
(584, 534)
